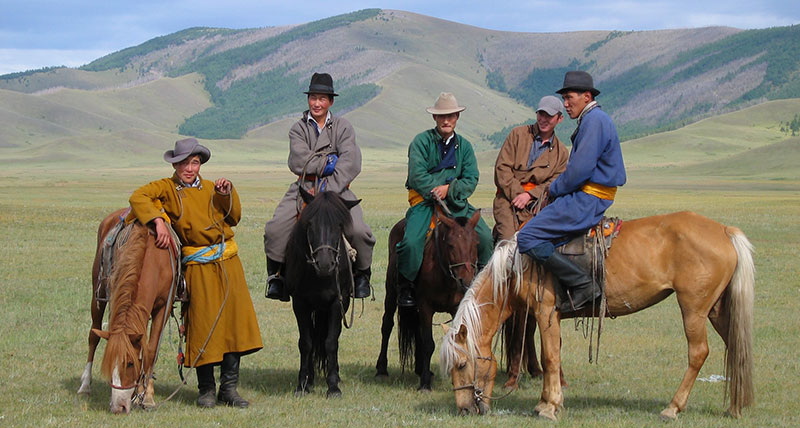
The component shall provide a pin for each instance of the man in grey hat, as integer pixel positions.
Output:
(582, 193)
(325, 157)
(440, 163)
(529, 160)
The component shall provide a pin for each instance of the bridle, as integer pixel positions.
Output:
(445, 265)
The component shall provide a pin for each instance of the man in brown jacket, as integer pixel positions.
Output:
(531, 157)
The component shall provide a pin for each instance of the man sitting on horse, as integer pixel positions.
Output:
(582, 193)
(324, 155)
(530, 158)
(441, 166)
(221, 323)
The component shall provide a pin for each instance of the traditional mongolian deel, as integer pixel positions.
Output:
(423, 158)
(209, 282)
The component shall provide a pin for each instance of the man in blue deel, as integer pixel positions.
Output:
(582, 193)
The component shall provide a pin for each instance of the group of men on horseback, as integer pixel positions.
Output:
(533, 174)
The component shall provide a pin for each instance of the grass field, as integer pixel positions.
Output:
(50, 215)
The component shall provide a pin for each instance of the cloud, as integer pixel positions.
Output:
(16, 60)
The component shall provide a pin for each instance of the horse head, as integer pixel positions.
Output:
(122, 364)
(472, 371)
(458, 246)
(324, 220)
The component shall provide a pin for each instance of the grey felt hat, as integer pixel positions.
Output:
(445, 104)
(550, 105)
(579, 81)
(185, 148)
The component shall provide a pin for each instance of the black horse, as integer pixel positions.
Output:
(319, 279)
(449, 264)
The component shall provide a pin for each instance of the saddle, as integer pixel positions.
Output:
(589, 251)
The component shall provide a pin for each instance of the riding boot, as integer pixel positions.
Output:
(361, 278)
(206, 385)
(228, 379)
(405, 295)
(575, 281)
(275, 285)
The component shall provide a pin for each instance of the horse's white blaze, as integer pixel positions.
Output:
(86, 380)
(120, 398)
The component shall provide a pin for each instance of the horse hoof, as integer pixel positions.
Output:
(548, 413)
(511, 386)
(424, 389)
(334, 394)
(300, 393)
(669, 414)
(382, 375)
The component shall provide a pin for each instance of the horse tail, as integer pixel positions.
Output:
(739, 306)
(407, 328)
(319, 333)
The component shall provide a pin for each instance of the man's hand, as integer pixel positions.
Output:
(163, 237)
(441, 191)
(223, 186)
(522, 200)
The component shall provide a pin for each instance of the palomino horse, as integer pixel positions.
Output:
(319, 279)
(709, 267)
(447, 269)
(140, 287)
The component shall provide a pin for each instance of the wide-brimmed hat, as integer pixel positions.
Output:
(185, 148)
(579, 81)
(321, 83)
(550, 105)
(445, 104)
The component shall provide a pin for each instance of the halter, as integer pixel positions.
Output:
(446, 266)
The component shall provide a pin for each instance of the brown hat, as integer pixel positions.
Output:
(185, 148)
(445, 104)
(321, 83)
(579, 81)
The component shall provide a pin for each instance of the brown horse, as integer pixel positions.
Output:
(447, 269)
(140, 287)
(709, 267)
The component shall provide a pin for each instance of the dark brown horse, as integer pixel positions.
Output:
(448, 267)
(140, 286)
(709, 267)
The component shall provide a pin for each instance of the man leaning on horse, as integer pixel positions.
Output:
(324, 155)
(582, 193)
(441, 166)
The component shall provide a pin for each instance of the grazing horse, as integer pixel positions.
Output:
(319, 279)
(140, 287)
(447, 269)
(709, 267)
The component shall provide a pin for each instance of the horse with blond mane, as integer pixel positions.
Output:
(140, 288)
(709, 267)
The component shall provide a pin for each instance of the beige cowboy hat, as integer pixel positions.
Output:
(185, 148)
(445, 104)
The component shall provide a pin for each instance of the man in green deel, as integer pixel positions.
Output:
(440, 163)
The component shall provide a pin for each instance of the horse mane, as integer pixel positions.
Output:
(504, 263)
(327, 208)
(126, 317)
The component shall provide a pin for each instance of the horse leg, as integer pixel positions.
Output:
(156, 326)
(552, 399)
(98, 308)
(389, 308)
(425, 347)
(332, 350)
(694, 326)
(304, 324)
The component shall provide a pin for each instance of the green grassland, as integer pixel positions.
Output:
(49, 212)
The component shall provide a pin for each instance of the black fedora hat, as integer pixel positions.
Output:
(321, 83)
(578, 81)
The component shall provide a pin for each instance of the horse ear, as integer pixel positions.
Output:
(476, 216)
(351, 204)
(101, 333)
(446, 328)
(449, 222)
(135, 338)
(462, 333)
(307, 197)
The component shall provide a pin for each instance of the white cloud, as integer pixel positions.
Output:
(15, 60)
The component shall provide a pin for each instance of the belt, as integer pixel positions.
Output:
(211, 253)
(602, 192)
(414, 198)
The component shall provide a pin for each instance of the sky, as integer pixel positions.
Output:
(43, 33)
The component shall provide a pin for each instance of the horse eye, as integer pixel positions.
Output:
(130, 365)
(461, 365)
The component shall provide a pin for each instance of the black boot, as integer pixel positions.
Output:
(228, 379)
(361, 278)
(206, 385)
(405, 294)
(275, 286)
(575, 281)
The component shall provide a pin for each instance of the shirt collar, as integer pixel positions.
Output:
(310, 119)
(586, 109)
(442, 139)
